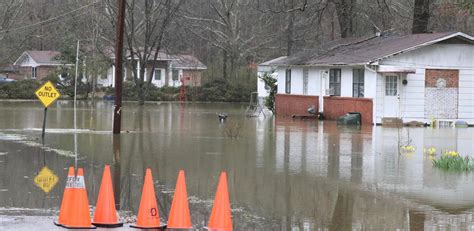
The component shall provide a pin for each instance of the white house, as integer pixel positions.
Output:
(416, 77)
(170, 70)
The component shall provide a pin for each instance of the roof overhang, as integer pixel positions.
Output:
(395, 69)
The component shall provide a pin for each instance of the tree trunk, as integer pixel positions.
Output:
(224, 65)
(290, 30)
(345, 11)
(141, 82)
(421, 16)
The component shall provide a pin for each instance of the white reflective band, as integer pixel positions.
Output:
(70, 182)
(80, 182)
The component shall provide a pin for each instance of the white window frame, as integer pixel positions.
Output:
(358, 84)
(305, 81)
(391, 85)
(161, 74)
(333, 84)
(288, 81)
(34, 72)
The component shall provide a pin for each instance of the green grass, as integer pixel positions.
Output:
(452, 161)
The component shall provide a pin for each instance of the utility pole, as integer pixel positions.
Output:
(118, 66)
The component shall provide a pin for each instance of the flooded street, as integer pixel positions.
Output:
(282, 174)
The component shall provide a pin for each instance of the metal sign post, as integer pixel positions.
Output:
(47, 94)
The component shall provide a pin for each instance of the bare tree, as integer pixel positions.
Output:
(146, 26)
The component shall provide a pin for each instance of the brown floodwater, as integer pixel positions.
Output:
(282, 174)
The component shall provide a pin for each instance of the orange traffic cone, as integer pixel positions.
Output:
(66, 203)
(79, 217)
(179, 217)
(220, 216)
(105, 214)
(148, 216)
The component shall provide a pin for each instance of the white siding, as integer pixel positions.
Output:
(346, 82)
(441, 56)
(370, 89)
(380, 92)
(412, 96)
(466, 95)
(262, 92)
(437, 56)
(297, 81)
(314, 81)
(281, 80)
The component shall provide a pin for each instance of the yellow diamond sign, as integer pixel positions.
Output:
(46, 179)
(47, 94)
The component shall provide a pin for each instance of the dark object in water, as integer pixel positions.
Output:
(222, 117)
(351, 118)
(108, 97)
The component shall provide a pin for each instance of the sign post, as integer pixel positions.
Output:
(47, 94)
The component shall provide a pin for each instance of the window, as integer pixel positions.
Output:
(33, 72)
(175, 75)
(305, 81)
(288, 81)
(335, 81)
(358, 83)
(157, 74)
(391, 85)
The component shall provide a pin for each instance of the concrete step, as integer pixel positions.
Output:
(392, 121)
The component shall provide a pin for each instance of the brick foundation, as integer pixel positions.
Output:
(334, 107)
(287, 105)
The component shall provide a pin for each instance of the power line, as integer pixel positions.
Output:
(48, 20)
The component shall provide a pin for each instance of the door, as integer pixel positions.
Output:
(391, 100)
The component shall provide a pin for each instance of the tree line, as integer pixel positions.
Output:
(230, 36)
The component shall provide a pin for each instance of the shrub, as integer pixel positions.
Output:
(453, 161)
(23, 89)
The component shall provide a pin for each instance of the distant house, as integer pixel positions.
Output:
(34, 65)
(169, 70)
(416, 77)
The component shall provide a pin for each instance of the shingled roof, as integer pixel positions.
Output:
(360, 51)
(187, 62)
(41, 57)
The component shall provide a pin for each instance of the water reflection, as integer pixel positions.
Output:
(283, 174)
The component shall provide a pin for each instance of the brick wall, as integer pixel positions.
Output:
(450, 76)
(43, 71)
(287, 105)
(335, 106)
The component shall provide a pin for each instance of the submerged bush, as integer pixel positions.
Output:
(451, 160)
(23, 89)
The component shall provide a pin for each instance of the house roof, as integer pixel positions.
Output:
(187, 62)
(358, 51)
(40, 57)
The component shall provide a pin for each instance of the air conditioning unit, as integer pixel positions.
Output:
(330, 91)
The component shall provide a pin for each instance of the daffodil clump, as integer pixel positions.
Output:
(451, 160)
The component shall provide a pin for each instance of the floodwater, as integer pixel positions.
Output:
(282, 174)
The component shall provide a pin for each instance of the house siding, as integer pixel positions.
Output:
(192, 77)
(466, 95)
(437, 56)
